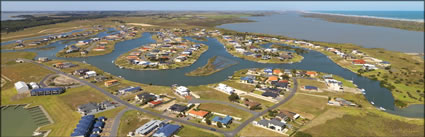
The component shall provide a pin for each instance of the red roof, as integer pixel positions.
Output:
(359, 61)
(283, 81)
(155, 102)
(199, 113)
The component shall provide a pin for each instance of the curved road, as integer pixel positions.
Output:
(130, 106)
(116, 123)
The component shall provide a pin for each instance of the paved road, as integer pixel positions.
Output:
(130, 106)
(116, 124)
(224, 103)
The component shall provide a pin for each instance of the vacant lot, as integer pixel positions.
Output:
(309, 82)
(224, 109)
(191, 131)
(81, 96)
(307, 106)
(251, 130)
(208, 93)
(131, 120)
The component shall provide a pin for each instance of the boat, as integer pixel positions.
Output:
(362, 90)
(381, 108)
(84, 62)
(120, 67)
(372, 103)
(112, 61)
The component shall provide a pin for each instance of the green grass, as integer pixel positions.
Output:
(23, 72)
(224, 109)
(309, 82)
(251, 130)
(305, 105)
(191, 131)
(240, 86)
(205, 70)
(208, 93)
(10, 57)
(131, 120)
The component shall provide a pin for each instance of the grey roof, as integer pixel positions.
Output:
(178, 108)
(277, 123)
(264, 122)
(88, 107)
(146, 95)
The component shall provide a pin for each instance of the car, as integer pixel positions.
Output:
(213, 129)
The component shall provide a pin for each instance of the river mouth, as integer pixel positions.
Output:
(313, 60)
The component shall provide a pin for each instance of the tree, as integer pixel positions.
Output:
(233, 97)
(208, 122)
(219, 125)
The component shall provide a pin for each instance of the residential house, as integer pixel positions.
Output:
(110, 83)
(225, 121)
(198, 114)
(167, 131)
(369, 67)
(145, 97)
(291, 115)
(47, 91)
(129, 89)
(248, 79)
(311, 88)
(225, 88)
(43, 59)
(81, 72)
(311, 73)
(182, 91)
(90, 74)
(359, 62)
(149, 127)
(271, 124)
(176, 108)
(270, 94)
(21, 87)
(272, 79)
(251, 104)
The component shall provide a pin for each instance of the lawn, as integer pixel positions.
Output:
(9, 57)
(366, 124)
(309, 82)
(208, 93)
(191, 131)
(305, 105)
(224, 109)
(240, 86)
(251, 130)
(131, 120)
(110, 114)
(82, 95)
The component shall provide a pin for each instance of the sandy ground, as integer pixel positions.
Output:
(140, 24)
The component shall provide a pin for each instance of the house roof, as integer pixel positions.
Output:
(310, 87)
(226, 120)
(178, 108)
(273, 78)
(270, 94)
(199, 113)
(359, 61)
(276, 71)
(167, 130)
(155, 102)
(88, 107)
(311, 73)
(288, 113)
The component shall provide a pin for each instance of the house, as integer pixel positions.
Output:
(272, 79)
(176, 108)
(100, 78)
(281, 84)
(72, 48)
(47, 91)
(110, 83)
(198, 114)
(225, 121)
(154, 103)
(167, 131)
(34, 85)
(84, 126)
(251, 104)
(283, 118)
(225, 88)
(182, 91)
(271, 124)
(90, 74)
(358, 62)
(19, 61)
(129, 89)
(247, 79)
(334, 84)
(268, 71)
(291, 115)
(311, 73)
(89, 108)
(81, 72)
(270, 94)
(145, 97)
(149, 127)
(21, 87)
(369, 67)
(277, 72)
(43, 59)
(311, 88)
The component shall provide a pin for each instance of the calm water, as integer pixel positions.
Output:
(293, 25)
(312, 61)
(410, 15)
(9, 16)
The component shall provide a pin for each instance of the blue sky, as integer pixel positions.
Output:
(209, 5)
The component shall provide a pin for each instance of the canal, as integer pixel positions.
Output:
(313, 60)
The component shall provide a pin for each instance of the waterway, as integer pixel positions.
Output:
(292, 24)
(313, 60)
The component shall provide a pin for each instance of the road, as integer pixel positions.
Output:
(130, 106)
(116, 123)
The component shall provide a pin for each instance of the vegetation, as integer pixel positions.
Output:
(207, 69)
(224, 109)
(406, 25)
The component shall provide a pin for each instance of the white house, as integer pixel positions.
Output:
(369, 67)
(271, 124)
(21, 87)
(91, 73)
(182, 90)
(334, 84)
(225, 88)
(34, 85)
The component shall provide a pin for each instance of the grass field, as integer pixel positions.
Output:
(208, 93)
(309, 82)
(251, 131)
(224, 109)
(191, 131)
(131, 120)
(305, 105)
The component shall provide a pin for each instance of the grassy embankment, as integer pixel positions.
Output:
(405, 78)
(400, 24)
(207, 69)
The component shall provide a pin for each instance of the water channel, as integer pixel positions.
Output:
(313, 60)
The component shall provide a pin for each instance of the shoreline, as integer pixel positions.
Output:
(365, 16)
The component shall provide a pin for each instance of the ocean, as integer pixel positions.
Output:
(405, 15)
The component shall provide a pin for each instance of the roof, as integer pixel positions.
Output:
(310, 87)
(47, 89)
(359, 61)
(20, 84)
(288, 113)
(155, 102)
(146, 128)
(167, 130)
(146, 95)
(88, 107)
(177, 107)
(270, 94)
(273, 78)
(111, 81)
(251, 103)
(226, 120)
(311, 73)
(198, 113)
(276, 71)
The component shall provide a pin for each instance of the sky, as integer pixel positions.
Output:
(210, 5)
